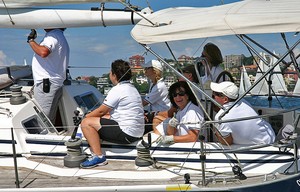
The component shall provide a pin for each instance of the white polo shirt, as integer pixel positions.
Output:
(253, 131)
(191, 117)
(127, 109)
(55, 64)
(158, 97)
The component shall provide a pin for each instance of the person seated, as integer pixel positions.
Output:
(125, 123)
(186, 123)
(190, 73)
(252, 131)
(157, 98)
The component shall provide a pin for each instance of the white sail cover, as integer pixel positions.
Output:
(30, 3)
(245, 17)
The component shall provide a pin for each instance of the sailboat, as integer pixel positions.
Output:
(275, 78)
(238, 19)
(39, 156)
(296, 90)
(244, 81)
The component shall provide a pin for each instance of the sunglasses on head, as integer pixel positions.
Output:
(180, 93)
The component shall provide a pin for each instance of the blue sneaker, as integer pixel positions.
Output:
(94, 161)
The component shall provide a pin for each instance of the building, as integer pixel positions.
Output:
(136, 61)
(231, 61)
(183, 59)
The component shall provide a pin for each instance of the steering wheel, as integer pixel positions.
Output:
(225, 75)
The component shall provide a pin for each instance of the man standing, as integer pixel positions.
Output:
(49, 65)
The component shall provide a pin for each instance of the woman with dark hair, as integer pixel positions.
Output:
(212, 58)
(186, 124)
(120, 118)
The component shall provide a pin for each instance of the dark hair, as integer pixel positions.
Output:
(191, 69)
(178, 86)
(214, 54)
(121, 69)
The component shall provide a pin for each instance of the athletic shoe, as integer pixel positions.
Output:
(94, 161)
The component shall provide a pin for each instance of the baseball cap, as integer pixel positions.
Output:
(153, 63)
(227, 88)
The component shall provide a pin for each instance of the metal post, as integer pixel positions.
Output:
(15, 158)
(296, 156)
(202, 158)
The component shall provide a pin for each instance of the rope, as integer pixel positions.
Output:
(10, 18)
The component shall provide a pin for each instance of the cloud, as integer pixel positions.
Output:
(4, 60)
(99, 48)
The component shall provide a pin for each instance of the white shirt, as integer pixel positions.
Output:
(253, 131)
(191, 117)
(55, 64)
(127, 109)
(212, 75)
(158, 97)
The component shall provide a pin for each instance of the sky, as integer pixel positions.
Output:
(98, 46)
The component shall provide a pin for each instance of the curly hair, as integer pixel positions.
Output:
(181, 86)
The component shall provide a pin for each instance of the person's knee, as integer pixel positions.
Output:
(84, 123)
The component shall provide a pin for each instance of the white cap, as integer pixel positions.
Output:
(227, 88)
(153, 63)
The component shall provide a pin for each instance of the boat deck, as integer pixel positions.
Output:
(36, 179)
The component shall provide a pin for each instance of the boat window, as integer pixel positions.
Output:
(87, 101)
(34, 126)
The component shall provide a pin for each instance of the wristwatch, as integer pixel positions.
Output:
(30, 40)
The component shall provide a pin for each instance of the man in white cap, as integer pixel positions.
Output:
(252, 131)
(157, 98)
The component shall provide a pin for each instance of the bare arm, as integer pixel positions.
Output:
(40, 50)
(99, 112)
(192, 136)
(228, 140)
(145, 102)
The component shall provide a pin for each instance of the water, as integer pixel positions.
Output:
(284, 102)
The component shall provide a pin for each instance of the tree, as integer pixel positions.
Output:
(93, 81)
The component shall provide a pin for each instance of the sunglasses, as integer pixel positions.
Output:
(218, 94)
(180, 93)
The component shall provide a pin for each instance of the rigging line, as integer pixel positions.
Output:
(292, 55)
(43, 159)
(129, 7)
(85, 67)
(102, 18)
(263, 48)
(10, 18)
(262, 77)
(190, 86)
(200, 46)
(179, 69)
(181, 75)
